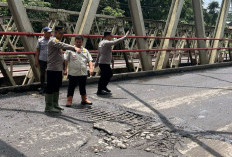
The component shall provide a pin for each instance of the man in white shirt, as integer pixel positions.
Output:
(77, 71)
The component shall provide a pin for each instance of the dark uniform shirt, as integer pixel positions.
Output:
(105, 50)
(55, 55)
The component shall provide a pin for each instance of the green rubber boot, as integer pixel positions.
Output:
(49, 107)
(55, 101)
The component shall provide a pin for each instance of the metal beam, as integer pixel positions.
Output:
(86, 17)
(23, 25)
(139, 29)
(200, 30)
(36, 8)
(169, 31)
(6, 73)
(219, 29)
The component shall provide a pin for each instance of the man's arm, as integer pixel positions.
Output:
(115, 42)
(91, 68)
(96, 62)
(60, 45)
(37, 53)
(37, 57)
(90, 63)
(65, 67)
(67, 59)
(112, 62)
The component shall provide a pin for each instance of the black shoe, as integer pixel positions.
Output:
(107, 90)
(41, 91)
(101, 92)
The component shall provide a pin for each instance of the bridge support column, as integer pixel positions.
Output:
(219, 29)
(86, 17)
(139, 28)
(200, 30)
(23, 25)
(169, 31)
(6, 73)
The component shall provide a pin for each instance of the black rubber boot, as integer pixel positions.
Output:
(55, 101)
(49, 106)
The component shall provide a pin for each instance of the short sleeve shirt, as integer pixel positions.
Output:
(42, 44)
(78, 62)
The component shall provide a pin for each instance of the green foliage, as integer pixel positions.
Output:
(37, 3)
(211, 13)
(156, 10)
(152, 9)
(73, 5)
(187, 15)
(113, 12)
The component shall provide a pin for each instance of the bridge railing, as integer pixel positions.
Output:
(176, 52)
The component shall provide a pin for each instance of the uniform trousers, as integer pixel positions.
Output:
(106, 74)
(42, 67)
(54, 81)
(74, 81)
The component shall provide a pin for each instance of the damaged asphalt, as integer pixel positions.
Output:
(186, 114)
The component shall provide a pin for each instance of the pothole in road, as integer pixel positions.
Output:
(125, 129)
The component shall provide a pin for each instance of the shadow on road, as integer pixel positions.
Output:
(9, 151)
(180, 86)
(53, 115)
(173, 128)
(215, 78)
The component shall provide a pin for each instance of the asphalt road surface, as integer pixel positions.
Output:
(194, 108)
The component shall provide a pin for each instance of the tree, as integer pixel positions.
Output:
(187, 15)
(211, 13)
(73, 5)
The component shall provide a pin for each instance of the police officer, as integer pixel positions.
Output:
(104, 59)
(55, 69)
(41, 56)
(77, 71)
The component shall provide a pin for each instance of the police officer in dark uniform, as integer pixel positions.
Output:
(104, 59)
(55, 69)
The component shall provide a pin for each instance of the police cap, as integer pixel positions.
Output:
(59, 28)
(106, 33)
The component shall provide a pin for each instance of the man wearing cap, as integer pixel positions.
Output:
(104, 59)
(41, 56)
(55, 69)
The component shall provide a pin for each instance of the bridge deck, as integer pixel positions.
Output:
(195, 106)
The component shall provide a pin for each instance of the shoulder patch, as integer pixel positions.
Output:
(56, 40)
(84, 50)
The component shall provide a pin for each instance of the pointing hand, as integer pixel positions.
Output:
(127, 33)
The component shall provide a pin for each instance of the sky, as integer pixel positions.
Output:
(206, 2)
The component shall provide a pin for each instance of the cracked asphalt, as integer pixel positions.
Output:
(196, 106)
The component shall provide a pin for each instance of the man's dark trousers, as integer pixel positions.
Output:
(106, 74)
(54, 81)
(74, 81)
(42, 67)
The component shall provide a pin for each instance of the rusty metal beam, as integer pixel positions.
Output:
(169, 31)
(6, 73)
(139, 29)
(23, 25)
(219, 29)
(86, 17)
(200, 30)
